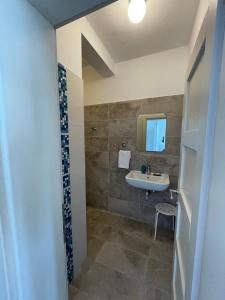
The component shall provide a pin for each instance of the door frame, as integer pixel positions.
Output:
(214, 27)
(217, 15)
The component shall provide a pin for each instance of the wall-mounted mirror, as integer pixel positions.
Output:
(151, 133)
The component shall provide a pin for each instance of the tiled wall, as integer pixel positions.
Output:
(107, 126)
(64, 128)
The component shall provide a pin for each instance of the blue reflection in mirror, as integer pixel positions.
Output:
(156, 135)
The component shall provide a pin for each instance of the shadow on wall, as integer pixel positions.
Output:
(107, 126)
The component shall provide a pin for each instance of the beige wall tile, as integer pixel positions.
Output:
(97, 200)
(124, 110)
(97, 159)
(96, 112)
(115, 143)
(122, 128)
(115, 124)
(171, 106)
(96, 128)
(174, 124)
(96, 144)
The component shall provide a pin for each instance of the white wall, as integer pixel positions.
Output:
(213, 262)
(202, 10)
(69, 54)
(4, 291)
(69, 51)
(77, 167)
(69, 46)
(155, 75)
(30, 145)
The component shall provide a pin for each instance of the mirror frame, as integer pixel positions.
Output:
(141, 131)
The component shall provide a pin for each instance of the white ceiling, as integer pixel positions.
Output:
(167, 24)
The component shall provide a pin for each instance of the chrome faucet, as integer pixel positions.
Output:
(148, 170)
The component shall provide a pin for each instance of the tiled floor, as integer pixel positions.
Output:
(124, 262)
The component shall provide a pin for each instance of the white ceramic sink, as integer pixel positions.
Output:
(151, 182)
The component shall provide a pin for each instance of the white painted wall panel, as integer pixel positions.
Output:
(213, 264)
(69, 46)
(202, 10)
(30, 103)
(156, 75)
(77, 168)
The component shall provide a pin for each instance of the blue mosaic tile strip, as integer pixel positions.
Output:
(65, 140)
(66, 195)
(65, 160)
(67, 214)
(66, 182)
(63, 99)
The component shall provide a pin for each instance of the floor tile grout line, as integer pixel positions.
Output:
(121, 216)
(138, 279)
(127, 233)
(126, 218)
(149, 256)
(136, 236)
(126, 248)
(148, 241)
(145, 280)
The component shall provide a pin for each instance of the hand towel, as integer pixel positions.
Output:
(124, 159)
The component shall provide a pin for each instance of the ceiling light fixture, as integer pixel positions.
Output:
(136, 10)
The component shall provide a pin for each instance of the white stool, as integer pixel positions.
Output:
(164, 209)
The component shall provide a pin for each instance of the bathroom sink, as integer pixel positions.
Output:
(153, 181)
